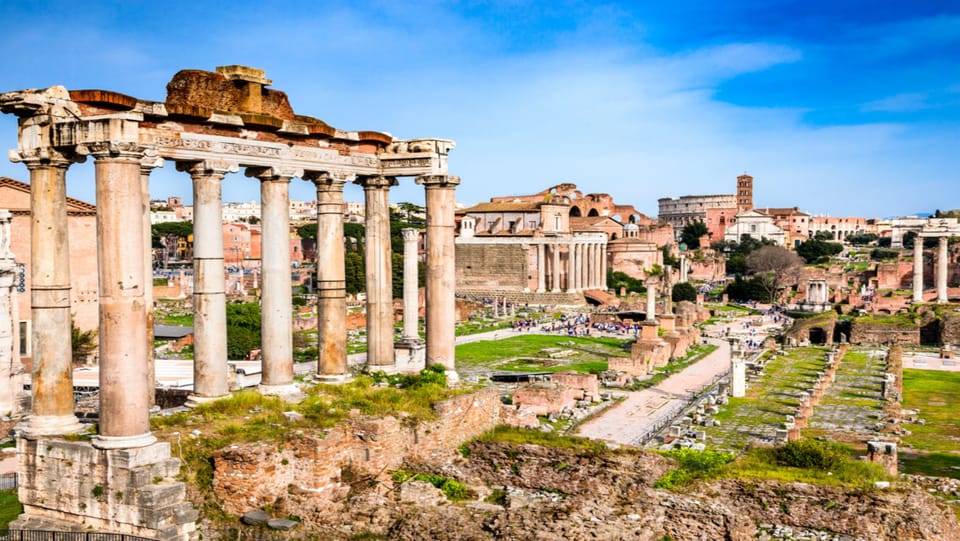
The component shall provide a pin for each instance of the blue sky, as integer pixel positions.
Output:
(840, 108)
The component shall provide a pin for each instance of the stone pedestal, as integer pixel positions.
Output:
(74, 486)
(411, 355)
(883, 453)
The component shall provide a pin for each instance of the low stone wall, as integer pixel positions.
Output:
(869, 333)
(71, 485)
(319, 467)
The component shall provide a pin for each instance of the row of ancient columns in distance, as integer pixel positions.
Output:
(125, 277)
(942, 258)
(586, 265)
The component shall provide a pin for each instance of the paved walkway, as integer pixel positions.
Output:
(642, 411)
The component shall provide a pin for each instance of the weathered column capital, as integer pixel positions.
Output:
(44, 157)
(150, 161)
(115, 150)
(373, 182)
(329, 179)
(410, 234)
(440, 181)
(280, 173)
(208, 168)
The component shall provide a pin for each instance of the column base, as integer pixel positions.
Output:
(38, 426)
(453, 378)
(332, 379)
(195, 400)
(410, 355)
(124, 442)
(82, 488)
(289, 392)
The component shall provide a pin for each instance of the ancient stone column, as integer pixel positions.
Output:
(379, 270)
(151, 160)
(738, 372)
(598, 264)
(276, 297)
(10, 367)
(651, 302)
(411, 289)
(941, 268)
(441, 272)
(331, 280)
(209, 297)
(52, 382)
(603, 266)
(541, 268)
(918, 270)
(684, 268)
(555, 268)
(571, 267)
(577, 263)
(588, 266)
(584, 266)
(124, 400)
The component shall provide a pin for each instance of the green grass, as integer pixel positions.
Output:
(180, 320)
(10, 507)
(692, 465)
(895, 320)
(810, 457)
(935, 394)
(521, 436)
(516, 353)
(932, 464)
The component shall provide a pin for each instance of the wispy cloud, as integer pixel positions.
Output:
(899, 103)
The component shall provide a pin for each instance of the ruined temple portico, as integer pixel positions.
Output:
(941, 229)
(211, 124)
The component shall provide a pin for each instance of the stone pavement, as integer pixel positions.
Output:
(642, 411)
(855, 400)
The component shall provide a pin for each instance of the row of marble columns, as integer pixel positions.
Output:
(586, 266)
(942, 263)
(125, 278)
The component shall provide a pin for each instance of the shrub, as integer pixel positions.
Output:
(684, 292)
(810, 454)
(693, 465)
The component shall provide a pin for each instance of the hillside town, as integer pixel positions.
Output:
(550, 364)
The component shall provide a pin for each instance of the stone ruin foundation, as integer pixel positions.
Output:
(72, 485)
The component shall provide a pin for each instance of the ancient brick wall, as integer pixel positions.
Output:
(501, 266)
(866, 333)
(321, 465)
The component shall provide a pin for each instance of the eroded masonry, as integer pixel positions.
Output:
(211, 124)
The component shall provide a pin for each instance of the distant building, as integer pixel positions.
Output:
(82, 239)
(689, 209)
(756, 225)
(794, 223)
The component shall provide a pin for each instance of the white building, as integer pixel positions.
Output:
(756, 225)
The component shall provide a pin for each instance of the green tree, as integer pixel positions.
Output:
(824, 236)
(668, 258)
(684, 292)
(83, 343)
(354, 272)
(307, 231)
(862, 239)
(243, 329)
(617, 279)
(813, 250)
(691, 233)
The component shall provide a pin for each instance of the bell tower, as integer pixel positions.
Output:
(744, 192)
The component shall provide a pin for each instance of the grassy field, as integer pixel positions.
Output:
(769, 399)
(9, 507)
(936, 395)
(931, 448)
(518, 353)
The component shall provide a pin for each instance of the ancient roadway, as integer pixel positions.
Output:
(640, 411)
